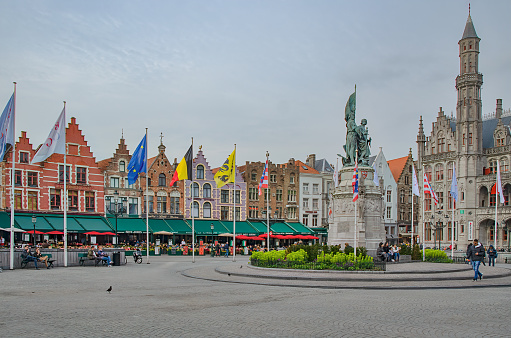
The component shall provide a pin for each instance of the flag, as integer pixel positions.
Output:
(56, 141)
(429, 190)
(184, 168)
(227, 171)
(264, 179)
(336, 175)
(454, 185)
(354, 183)
(376, 179)
(7, 125)
(138, 162)
(499, 185)
(330, 205)
(415, 183)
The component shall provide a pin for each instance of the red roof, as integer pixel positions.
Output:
(396, 166)
(304, 168)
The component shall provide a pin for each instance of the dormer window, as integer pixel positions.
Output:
(122, 166)
(200, 172)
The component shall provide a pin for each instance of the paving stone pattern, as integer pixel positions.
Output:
(157, 300)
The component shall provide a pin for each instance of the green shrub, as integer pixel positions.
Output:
(297, 256)
(335, 249)
(416, 253)
(361, 251)
(436, 256)
(405, 249)
(348, 249)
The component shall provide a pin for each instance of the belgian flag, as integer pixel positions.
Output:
(184, 168)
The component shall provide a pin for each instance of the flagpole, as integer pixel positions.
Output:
(11, 244)
(267, 207)
(412, 241)
(191, 209)
(423, 221)
(452, 226)
(147, 197)
(234, 202)
(496, 203)
(65, 190)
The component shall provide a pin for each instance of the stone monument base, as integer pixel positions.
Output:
(370, 228)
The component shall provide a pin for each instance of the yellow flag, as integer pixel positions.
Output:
(227, 171)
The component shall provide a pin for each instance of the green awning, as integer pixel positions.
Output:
(281, 228)
(203, 227)
(259, 226)
(5, 220)
(129, 225)
(320, 231)
(241, 228)
(25, 222)
(156, 225)
(299, 228)
(91, 223)
(179, 226)
(57, 222)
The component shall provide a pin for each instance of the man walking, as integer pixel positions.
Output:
(476, 255)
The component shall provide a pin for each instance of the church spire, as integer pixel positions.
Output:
(470, 31)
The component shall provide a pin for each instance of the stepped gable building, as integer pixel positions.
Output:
(120, 196)
(39, 187)
(311, 188)
(327, 180)
(470, 144)
(164, 201)
(211, 202)
(402, 169)
(284, 183)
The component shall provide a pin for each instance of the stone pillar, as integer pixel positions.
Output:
(370, 226)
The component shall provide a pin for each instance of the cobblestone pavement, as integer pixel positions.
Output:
(156, 300)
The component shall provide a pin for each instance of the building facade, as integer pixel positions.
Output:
(327, 180)
(283, 182)
(209, 202)
(470, 145)
(40, 186)
(311, 193)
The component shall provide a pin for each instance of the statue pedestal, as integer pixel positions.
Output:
(370, 226)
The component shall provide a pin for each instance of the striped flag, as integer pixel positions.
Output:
(415, 183)
(264, 179)
(354, 183)
(429, 190)
(184, 168)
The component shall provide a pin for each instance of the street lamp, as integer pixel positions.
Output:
(116, 210)
(212, 229)
(34, 219)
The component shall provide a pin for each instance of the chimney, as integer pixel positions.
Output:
(311, 160)
(498, 110)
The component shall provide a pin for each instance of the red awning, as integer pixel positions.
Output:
(95, 233)
(35, 232)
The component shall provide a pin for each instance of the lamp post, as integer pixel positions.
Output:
(116, 210)
(34, 220)
(212, 230)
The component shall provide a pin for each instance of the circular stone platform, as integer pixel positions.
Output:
(398, 276)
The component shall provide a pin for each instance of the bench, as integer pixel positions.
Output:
(85, 258)
(49, 260)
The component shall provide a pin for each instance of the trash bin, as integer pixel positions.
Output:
(117, 258)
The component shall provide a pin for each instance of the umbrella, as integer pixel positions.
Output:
(34, 232)
(289, 237)
(14, 229)
(254, 238)
(311, 237)
(162, 233)
(225, 235)
(55, 232)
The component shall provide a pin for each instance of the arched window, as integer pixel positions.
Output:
(507, 192)
(483, 197)
(450, 168)
(493, 166)
(206, 190)
(162, 180)
(439, 172)
(122, 166)
(206, 209)
(195, 209)
(200, 172)
(504, 164)
(195, 189)
(428, 172)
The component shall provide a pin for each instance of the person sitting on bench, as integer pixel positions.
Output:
(41, 258)
(380, 253)
(28, 256)
(102, 255)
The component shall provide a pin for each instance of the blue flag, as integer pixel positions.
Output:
(7, 127)
(454, 185)
(138, 162)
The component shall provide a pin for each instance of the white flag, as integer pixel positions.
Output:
(56, 141)
(376, 179)
(415, 183)
(499, 185)
(336, 175)
(7, 127)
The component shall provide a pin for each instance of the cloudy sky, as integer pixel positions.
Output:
(267, 75)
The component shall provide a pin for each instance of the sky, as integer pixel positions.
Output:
(265, 75)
